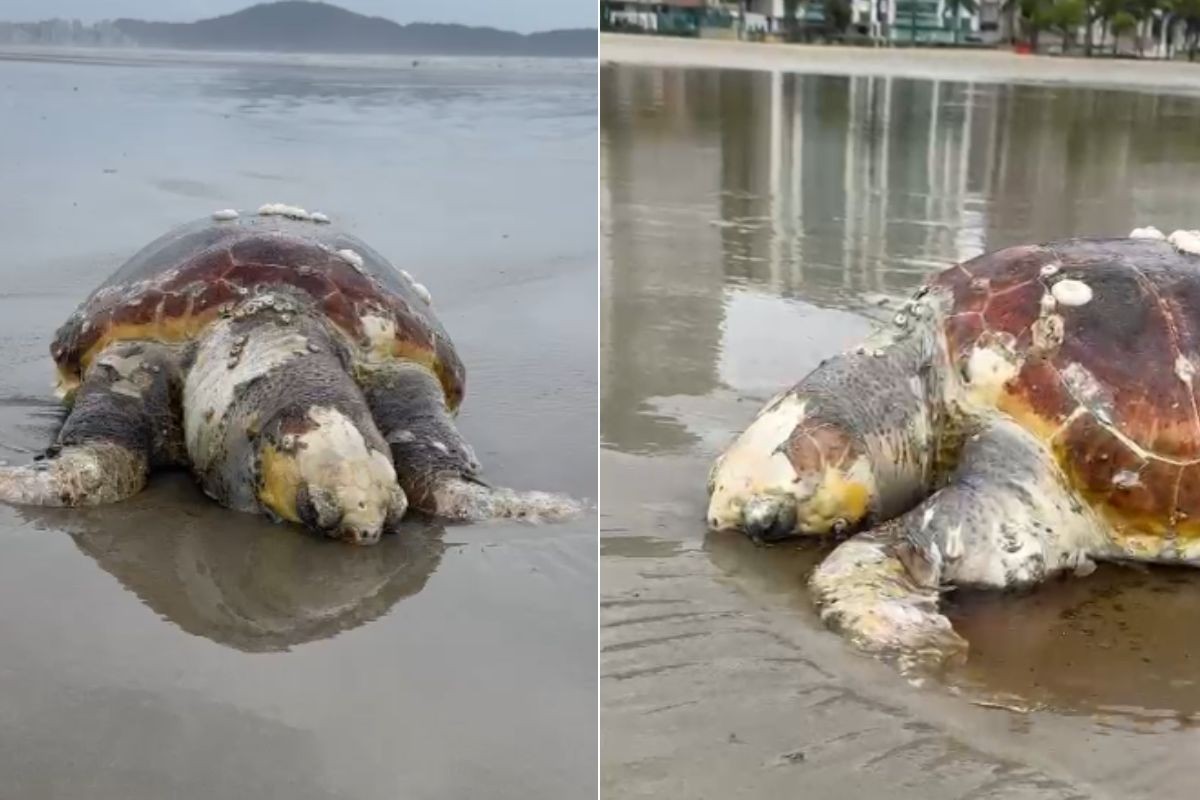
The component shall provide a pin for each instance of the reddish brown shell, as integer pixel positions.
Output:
(178, 284)
(1110, 382)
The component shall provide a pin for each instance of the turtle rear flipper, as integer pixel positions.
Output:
(1007, 519)
(125, 419)
(434, 464)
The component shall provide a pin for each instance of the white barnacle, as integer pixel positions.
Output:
(1186, 241)
(407, 276)
(1184, 369)
(989, 368)
(1148, 232)
(317, 216)
(1048, 303)
(225, 214)
(283, 210)
(423, 293)
(1071, 292)
(403, 437)
(352, 258)
(1048, 270)
(1126, 479)
(439, 446)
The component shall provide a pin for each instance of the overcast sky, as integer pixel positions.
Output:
(517, 15)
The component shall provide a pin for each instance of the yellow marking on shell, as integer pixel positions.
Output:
(280, 480)
(1024, 414)
(172, 330)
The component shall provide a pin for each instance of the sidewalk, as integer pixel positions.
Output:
(988, 66)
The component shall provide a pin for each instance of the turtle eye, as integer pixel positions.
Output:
(839, 526)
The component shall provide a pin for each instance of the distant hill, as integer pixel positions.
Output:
(315, 27)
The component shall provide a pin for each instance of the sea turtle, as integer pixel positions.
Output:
(289, 365)
(1026, 413)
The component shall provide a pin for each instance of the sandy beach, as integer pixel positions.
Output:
(992, 66)
(754, 221)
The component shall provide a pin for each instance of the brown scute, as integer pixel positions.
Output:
(1014, 309)
(967, 293)
(1142, 321)
(1093, 455)
(812, 448)
(1010, 267)
(172, 300)
(1126, 339)
(1143, 316)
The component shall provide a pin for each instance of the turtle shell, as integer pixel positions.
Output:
(179, 283)
(1104, 338)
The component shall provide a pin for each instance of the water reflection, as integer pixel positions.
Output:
(239, 580)
(825, 191)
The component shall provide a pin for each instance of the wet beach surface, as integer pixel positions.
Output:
(753, 223)
(168, 648)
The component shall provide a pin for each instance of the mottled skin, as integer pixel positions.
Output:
(290, 366)
(1028, 412)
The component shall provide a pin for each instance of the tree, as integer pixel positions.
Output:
(1091, 13)
(1188, 11)
(1037, 15)
(1122, 22)
(791, 9)
(956, 9)
(1143, 12)
(1106, 10)
(1065, 16)
(837, 17)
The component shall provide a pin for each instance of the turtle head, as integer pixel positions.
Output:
(793, 472)
(320, 471)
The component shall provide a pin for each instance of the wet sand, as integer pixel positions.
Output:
(752, 224)
(168, 648)
(930, 63)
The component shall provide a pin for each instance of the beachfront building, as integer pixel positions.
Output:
(703, 18)
(894, 21)
(939, 22)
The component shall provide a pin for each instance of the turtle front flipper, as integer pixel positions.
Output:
(125, 419)
(1006, 519)
(435, 466)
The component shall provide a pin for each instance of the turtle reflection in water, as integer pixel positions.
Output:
(237, 580)
(1027, 413)
(289, 365)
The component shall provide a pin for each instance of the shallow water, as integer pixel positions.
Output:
(168, 648)
(754, 223)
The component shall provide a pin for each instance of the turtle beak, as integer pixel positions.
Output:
(769, 519)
